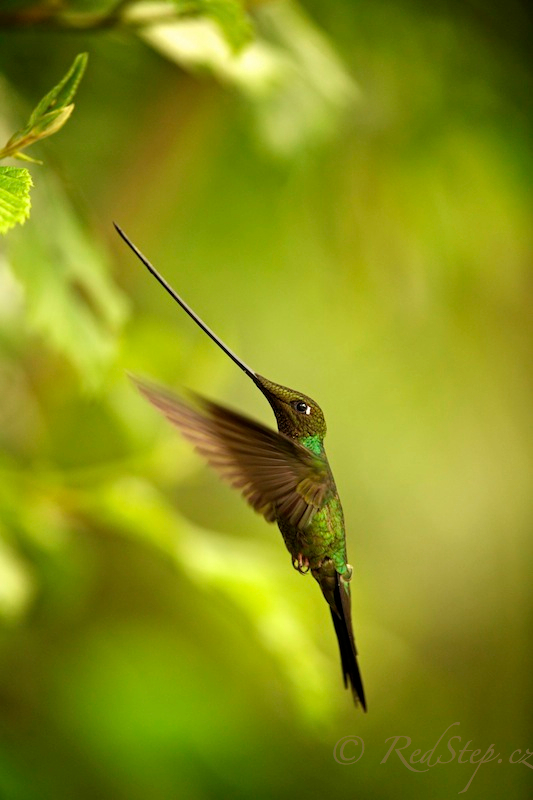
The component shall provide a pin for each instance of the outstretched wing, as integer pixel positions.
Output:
(277, 475)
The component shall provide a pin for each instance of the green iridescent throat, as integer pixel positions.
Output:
(313, 443)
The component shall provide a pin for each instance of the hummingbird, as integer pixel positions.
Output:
(283, 474)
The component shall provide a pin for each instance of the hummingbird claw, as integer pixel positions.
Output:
(301, 564)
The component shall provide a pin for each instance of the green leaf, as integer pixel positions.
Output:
(52, 121)
(15, 203)
(229, 15)
(62, 94)
(296, 85)
(51, 112)
(303, 90)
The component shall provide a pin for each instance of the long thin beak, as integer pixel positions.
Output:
(212, 335)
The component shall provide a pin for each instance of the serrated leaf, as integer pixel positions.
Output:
(15, 203)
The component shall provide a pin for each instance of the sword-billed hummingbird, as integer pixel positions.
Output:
(284, 475)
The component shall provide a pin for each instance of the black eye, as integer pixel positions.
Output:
(301, 407)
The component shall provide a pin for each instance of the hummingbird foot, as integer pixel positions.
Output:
(347, 577)
(301, 564)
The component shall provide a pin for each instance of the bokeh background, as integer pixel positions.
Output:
(348, 204)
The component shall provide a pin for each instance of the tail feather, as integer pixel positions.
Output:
(342, 620)
(336, 590)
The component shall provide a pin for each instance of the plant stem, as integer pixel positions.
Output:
(50, 18)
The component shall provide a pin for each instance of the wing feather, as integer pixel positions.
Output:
(278, 476)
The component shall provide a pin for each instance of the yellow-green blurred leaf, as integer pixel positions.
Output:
(16, 583)
(244, 571)
(296, 85)
(229, 15)
(70, 297)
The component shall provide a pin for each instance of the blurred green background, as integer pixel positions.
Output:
(348, 204)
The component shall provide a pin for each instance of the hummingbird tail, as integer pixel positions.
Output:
(342, 620)
(336, 590)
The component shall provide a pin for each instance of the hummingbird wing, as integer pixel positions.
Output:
(278, 476)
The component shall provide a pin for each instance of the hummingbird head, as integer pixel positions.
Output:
(296, 414)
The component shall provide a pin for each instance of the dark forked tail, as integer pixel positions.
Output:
(342, 620)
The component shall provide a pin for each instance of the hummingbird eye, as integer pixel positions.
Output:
(301, 407)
